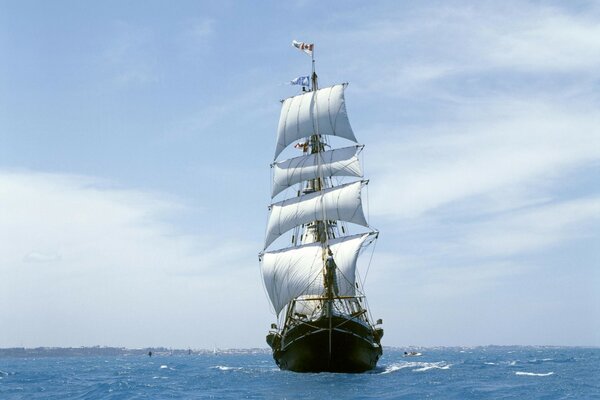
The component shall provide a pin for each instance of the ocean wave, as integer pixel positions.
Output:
(4, 374)
(433, 366)
(416, 366)
(521, 373)
(225, 368)
(393, 368)
(539, 361)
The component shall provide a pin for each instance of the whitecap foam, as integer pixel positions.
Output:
(533, 373)
(225, 368)
(417, 366)
(395, 367)
(440, 365)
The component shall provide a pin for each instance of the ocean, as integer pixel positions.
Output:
(439, 373)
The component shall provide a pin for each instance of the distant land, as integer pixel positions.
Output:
(115, 351)
(164, 351)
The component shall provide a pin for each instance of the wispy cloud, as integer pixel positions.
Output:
(483, 158)
(200, 30)
(108, 252)
(424, 47)
(38, 257)
(534, 229)
(547, 39)
(504, 148)
(195, 36)
(130, 56)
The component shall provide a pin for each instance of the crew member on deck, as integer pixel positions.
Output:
(330, 273)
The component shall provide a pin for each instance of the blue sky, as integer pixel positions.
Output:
(135, 140)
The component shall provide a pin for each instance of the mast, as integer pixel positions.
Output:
(317, 146)
(324, 237)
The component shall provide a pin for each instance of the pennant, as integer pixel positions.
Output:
(301, 80)
(305, 47)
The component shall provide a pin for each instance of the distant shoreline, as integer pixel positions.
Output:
(114, 351)
(164, 351)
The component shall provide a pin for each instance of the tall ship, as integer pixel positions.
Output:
(324, 323)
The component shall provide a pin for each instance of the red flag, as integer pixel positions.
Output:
(305, 47)
(301, 146)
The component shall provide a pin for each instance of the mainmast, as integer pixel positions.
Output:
(319, 230)
(321, 226)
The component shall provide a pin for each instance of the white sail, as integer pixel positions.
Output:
(340, 203)
(338, 162)
(320, 112)
(297, 271)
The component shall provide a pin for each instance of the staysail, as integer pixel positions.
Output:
(297, 271)
(337, 162)
(340, 203)
(322, 111)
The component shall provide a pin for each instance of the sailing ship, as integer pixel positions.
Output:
(324, 323)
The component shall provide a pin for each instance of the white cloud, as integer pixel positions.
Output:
(84, 264)
(547, 39)
(37, 257)
(414, 50)
(534, 229)
(512, 147)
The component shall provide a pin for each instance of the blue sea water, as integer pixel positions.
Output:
(440, 373)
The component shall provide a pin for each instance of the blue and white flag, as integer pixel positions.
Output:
(301, 80)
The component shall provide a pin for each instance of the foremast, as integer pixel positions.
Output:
(318, 230)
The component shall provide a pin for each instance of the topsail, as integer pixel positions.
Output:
(340, 203)
(332, 163)
(321, 112)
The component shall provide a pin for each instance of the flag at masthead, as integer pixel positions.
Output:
(305, 47)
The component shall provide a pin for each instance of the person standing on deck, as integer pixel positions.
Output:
(330, 273)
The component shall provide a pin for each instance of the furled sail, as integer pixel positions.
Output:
(340, 203)
(297, 271)
(338, 162)
(320, 112)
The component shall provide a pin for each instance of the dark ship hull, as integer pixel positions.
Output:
(339, 344)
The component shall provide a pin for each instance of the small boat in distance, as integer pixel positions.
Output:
(324, 321)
